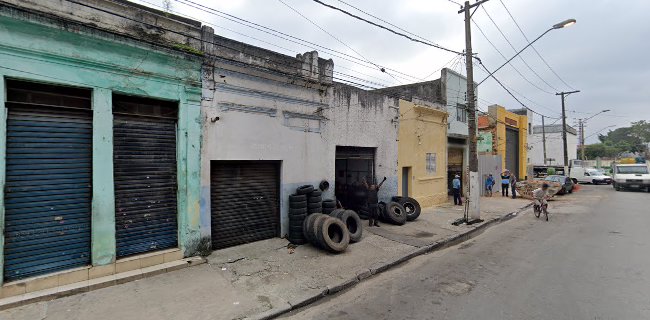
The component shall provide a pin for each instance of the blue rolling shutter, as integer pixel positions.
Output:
(48, 190)
(145, 179)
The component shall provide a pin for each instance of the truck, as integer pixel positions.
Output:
(589, 175)
(631, 176)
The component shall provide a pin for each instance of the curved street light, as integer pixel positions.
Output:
(558, 25)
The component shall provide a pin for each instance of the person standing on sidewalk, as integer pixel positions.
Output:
(505, 183)
(373, 202)
(489, 183)
(455, 187)
(513, 185)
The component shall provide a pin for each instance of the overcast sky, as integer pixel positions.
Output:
(603, 55)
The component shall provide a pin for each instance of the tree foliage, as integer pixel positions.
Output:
(632, 139)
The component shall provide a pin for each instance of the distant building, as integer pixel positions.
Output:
(505, 133)
(554, 145)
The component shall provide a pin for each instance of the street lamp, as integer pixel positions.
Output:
(559, 25)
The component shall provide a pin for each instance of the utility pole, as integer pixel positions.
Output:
(544, 138)
(581, 124)
(564, 143)
(474, 179)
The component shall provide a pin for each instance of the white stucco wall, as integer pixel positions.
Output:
(455, 87)
(554, 148)
(261, 120)
(365, 119)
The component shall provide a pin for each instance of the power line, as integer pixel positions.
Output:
(282, 35)
(538, 54)
(386, 28)
(505, 58)
(337, 39)
(515, 50)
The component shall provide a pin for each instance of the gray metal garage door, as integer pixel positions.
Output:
(144, 133)
(48, 179)
(512, 151)
(244, 202)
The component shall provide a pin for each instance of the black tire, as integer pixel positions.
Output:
(353, 223)
(306, 189)
(315, 193)
(314, 205)
(312, 229)
(297, 198)
(396, 198)
(335, 213)
(297, 211)
(329, 203)
(306, 224)
(381, 207)
(412, 208)
(298, 205)
(324, 185)
(327, 211)
(297, 240)
(537, 211)
(333, 235)
(316, 210)
(575, 181)
(318, 199)
(395, 213)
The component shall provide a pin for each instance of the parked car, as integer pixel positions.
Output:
(566, 182)
(589, 175)
(631, 176)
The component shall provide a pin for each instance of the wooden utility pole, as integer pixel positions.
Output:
(474, 179)
(564, 143)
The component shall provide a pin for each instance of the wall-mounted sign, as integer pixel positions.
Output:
(511, 122)
(484, 143)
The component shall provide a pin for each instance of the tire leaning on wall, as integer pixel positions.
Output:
(412, 208)
(395, 213)
(332, 235)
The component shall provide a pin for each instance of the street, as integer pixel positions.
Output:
(589, 261)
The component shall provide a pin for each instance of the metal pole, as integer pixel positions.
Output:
(582, 139)
(544, 138)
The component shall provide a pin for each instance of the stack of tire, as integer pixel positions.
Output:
(411, 206)
(326, 232)
(297, 214)
(329, 206)
(351, 221)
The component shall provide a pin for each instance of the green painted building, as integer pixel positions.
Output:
(100, 132)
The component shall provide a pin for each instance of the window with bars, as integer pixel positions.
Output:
(461, 112)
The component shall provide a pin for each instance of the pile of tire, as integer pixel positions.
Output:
(351, 221)
(411, 206)
(392, 212)
(329, 205)
(326, 232)
(297, 214)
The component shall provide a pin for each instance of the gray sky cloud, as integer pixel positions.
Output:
(603, 55)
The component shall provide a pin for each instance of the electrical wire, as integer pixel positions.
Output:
(515, 50)
(535, 49)
(386, 28)
(337, 39)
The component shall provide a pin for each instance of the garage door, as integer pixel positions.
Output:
(352, 166)
(144, 155)
(244, 202)
(512, 151)
(48, 179)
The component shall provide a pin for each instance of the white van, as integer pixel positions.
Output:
(589, 175)
(631, 176)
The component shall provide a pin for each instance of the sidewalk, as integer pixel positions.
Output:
(266, 278)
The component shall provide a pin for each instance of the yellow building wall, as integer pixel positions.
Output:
(500, 148)
(423, 130)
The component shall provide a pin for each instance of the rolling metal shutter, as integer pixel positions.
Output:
(244, 202)
(512, 151)
(145, 182)
(48, 184)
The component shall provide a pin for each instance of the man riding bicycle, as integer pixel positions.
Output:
(540, 195)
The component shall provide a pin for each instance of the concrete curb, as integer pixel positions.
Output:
(379, 268)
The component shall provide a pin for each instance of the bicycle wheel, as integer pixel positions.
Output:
(546, 213)
(536, 211)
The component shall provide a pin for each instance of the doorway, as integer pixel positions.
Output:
(406, 179)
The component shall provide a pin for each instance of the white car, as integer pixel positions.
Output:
(589, 175)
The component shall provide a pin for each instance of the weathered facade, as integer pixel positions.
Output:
(422, 152)
(505, 133)
(100, 136)
(554, 146)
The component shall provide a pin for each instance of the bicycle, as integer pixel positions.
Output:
(538, 211)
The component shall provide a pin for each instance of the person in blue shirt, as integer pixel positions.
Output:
(505, 183)
(489, 183)
(455, 185)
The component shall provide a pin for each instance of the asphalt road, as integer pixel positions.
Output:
(590, 261)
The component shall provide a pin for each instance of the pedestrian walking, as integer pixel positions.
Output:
(489, 183)
(455, 186)
(505, 183)
(373, 202)
(513, 185)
